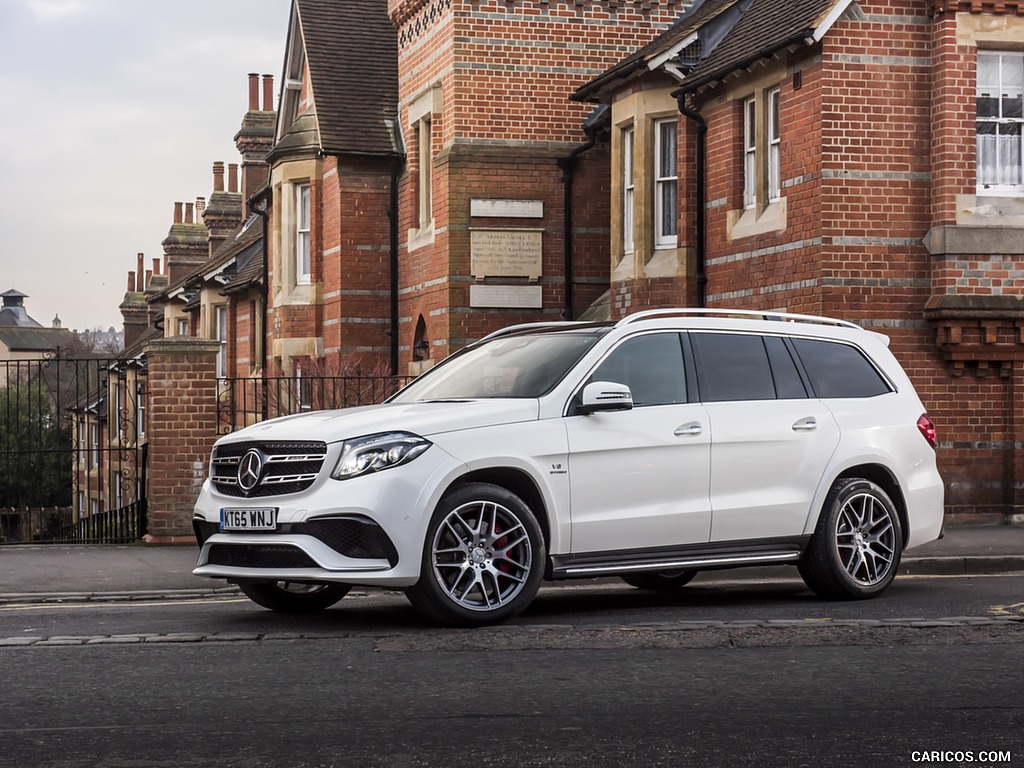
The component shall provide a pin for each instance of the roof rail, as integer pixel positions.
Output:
(753, 314)
(529, 326)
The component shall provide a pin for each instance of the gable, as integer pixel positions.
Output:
(344, 57)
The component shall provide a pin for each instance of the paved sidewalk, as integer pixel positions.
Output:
(39, 572)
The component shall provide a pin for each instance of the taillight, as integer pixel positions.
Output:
(927, 427)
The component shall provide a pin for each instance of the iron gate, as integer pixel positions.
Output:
(72, 449)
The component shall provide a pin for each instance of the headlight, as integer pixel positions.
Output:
(372, 453)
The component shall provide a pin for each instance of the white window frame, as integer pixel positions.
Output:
(94, 444)
(182, 323)
(666, 230)
(774, 129)
(140, 409)
(220, 332)
(762, 149)
(303, 254)
(628, 188)
(750, 152)
(1006, 175)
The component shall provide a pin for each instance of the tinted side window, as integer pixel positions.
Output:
(651, 366)
(788, 384)
(839, 370)
(735, 367)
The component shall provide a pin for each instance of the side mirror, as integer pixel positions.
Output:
(605, 396)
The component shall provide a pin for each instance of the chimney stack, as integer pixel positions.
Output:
(254, 92)
(268, 93)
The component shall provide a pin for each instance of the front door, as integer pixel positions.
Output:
(639, 478)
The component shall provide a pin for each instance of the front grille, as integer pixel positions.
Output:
(286, 467)
(260, 556)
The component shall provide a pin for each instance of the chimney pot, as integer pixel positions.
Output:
(177, 213)
(131, 280)
(156, 266)
(200, 207)
(149, 279)
(233, 177)
(254, 91)
(188, 213)
(268, 93)
(218, 176)
(138, 273)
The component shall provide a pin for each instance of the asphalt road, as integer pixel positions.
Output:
(710, 598)
(356, 702)
(719, 674)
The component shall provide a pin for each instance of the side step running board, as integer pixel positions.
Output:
(696, 563)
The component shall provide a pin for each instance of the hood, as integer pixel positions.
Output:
(424, 419)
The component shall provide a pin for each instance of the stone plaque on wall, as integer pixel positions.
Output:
(506, 253)
(506, 296)
(520, 209)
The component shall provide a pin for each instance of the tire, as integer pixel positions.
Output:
(293, 597)
(855, 550)
(483, 558)
(659, 580)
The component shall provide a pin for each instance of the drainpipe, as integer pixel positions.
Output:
(397, 162)
(701, 172)
(258, 205)
(592, 128)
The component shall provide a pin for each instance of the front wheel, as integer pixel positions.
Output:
(855, 550)
(483, 558)
(293, 597)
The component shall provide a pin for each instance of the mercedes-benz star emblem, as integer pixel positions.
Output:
(249, 470)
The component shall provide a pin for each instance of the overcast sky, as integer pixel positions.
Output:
(112, 111)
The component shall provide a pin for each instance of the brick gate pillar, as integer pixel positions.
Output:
(182, 389)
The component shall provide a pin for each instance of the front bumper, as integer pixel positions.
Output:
(367, 530)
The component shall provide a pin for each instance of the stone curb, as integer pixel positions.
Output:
(962, 565)
(52, 641)
(32, 598)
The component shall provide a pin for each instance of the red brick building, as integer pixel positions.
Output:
(854, 159)
(438, 169)
(504, 200)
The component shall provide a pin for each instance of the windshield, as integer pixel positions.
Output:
(512, 366)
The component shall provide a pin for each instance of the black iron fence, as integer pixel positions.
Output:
(242, 402)
(72, 440)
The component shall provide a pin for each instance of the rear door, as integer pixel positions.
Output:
(771, 440)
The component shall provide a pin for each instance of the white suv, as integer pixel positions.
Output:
(671, 442)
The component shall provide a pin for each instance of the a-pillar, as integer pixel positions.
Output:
(182, 415)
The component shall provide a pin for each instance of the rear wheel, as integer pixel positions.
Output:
(855, 550)
(483, 558)
(293, 597)
(659, 580)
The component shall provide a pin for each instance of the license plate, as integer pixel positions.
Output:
(258, 519)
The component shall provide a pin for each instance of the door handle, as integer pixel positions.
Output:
(692, 428)
(806, 425)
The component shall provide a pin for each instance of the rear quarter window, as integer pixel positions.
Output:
(839, 370)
